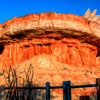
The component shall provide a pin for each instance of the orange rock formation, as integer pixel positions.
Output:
(69, 51)
(72, 40)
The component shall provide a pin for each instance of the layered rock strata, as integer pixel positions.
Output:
(34, 25)
(59, 46)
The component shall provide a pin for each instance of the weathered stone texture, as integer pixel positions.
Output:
(69, 51)
(55, 61)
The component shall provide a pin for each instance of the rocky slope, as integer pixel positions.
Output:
(54, 61)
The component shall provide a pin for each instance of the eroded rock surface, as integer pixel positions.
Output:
(67, 50)
(60, 47)
(55, 61)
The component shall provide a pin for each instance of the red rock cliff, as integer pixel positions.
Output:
(67, 50)
(59, 46)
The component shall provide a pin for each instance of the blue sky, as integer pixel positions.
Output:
(11, 8)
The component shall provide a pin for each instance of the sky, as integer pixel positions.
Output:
(11, 8)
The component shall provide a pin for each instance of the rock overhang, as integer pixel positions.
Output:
(51, 25)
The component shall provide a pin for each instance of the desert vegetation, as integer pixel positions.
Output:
(13, 80)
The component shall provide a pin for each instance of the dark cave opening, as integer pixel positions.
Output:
(1, 49)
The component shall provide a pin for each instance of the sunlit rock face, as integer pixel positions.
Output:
(54, 60)
(66, 50)
(60, 47)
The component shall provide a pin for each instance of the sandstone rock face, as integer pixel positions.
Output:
(54, 61)
(67, 50)
(57, 45)
(85, 28)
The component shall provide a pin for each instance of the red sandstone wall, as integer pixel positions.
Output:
(55, 61)
(68, 51)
